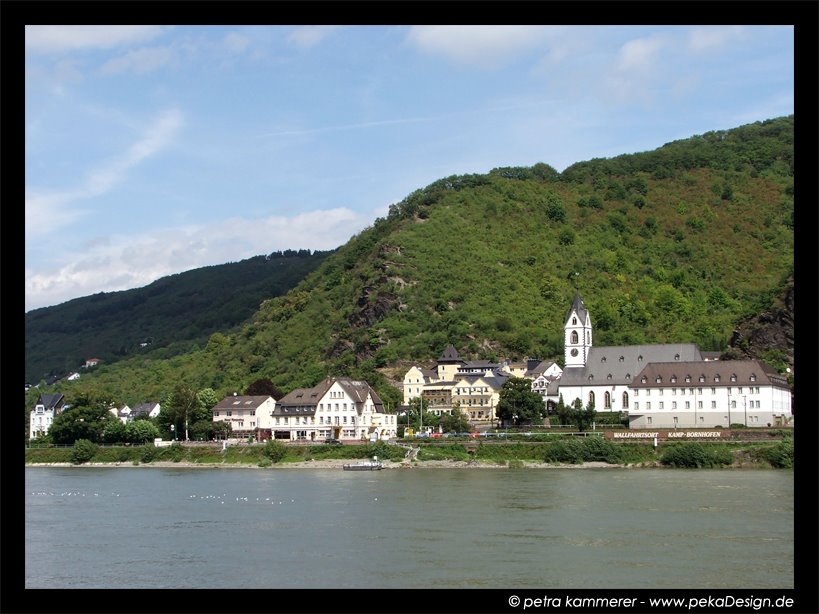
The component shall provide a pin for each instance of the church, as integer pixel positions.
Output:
(668, 385)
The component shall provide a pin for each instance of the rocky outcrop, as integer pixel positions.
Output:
(770, 330)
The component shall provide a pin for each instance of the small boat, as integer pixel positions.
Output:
(372, 465)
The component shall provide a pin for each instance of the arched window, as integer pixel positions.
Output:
(574, 336)
(607, 400)
(574, 321)
(591, 398)
(625, 400)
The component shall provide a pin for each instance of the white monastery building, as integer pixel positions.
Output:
(668, 385)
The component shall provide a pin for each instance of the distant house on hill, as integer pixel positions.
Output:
(149, 410)
(92, 362)
(122, 413)
(48, 407)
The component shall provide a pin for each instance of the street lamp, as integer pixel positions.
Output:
(173, 432)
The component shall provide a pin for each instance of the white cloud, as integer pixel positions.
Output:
(710, 38)
(119, 263)
(309, 36)
(139, 61)
(636, 71)
(48, 211)
(484, 46)
(56, 39)
(639, 54)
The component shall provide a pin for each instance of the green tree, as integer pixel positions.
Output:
(178, 410)
(141, 431)
(418, 415)
(84, 450)
(519, 404)
(275, 450)
(87, 418)
(263, 387)
(456, 422)
(114, 432)
(584, 417)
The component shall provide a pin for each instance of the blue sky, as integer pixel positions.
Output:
(153, 150)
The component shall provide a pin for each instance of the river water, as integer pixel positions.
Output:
(150, 527)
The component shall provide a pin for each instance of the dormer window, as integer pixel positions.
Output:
(688, 379)
(628, 376)
(753, 377)
(591, 377)
(643, 379)
(676, 356)
(622, 358)
(734, 377)
(603, 359)
(673, 379)
(659, 379)
(702, 378)
(608, 377)
(716, 378)
(640, 358)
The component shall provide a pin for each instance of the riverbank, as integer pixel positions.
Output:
(389, 465)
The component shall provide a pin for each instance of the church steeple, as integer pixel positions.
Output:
(577, 334)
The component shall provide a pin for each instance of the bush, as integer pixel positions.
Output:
(590, 449)
(84, 450)
(147, 453)
(693, 454)
(274, 450)
(565, 451)
(779, 455)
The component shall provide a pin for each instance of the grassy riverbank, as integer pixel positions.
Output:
(592, 451)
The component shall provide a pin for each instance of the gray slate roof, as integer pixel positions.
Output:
(580, 307)
(715, 373)
(450, 355)
(624, 362)
(51, 401)
(305, 400)
(242, 402)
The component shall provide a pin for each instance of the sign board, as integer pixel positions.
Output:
(665, 435)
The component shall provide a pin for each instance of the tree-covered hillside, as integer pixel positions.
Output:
(164, 318)
(674, 245)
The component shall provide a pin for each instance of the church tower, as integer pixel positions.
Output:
(577, 338)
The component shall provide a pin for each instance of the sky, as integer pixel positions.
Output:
(153, 150)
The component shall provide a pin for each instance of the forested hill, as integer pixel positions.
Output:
(677, 245)
(164, 318)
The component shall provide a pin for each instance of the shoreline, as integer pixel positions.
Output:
(338, 464)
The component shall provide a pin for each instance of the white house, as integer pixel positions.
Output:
(337, 408)
(150, 409)
(122, 413)
(248, 416)
(48, 407)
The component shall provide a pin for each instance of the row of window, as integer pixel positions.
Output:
(740, 390)
(661, 405)
(750, 420)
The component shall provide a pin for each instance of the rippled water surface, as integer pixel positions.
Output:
(148, 527)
